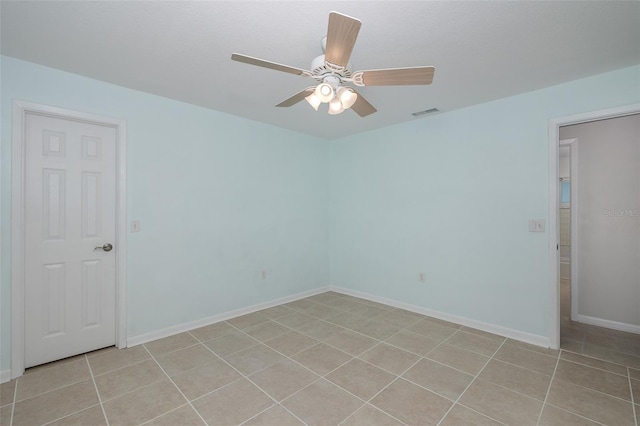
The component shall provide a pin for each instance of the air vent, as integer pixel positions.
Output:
(425, 112)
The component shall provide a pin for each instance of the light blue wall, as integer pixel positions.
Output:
(451, 195)
(219, 199)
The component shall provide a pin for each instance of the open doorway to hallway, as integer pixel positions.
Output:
(599, 238)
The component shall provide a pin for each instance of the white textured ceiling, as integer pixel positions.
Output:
(181, 50)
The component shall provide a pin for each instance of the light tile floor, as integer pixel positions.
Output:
(611, 345)
(329, 359)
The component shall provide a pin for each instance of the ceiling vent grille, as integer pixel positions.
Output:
(425, 112)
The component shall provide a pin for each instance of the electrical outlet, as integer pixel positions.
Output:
(263, 274)
(135, 226)
(422, 277)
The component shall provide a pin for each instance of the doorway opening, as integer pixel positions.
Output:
(588, 284)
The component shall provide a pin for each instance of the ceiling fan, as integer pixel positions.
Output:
(332, 72)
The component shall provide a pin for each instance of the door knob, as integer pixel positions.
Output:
(106, 247)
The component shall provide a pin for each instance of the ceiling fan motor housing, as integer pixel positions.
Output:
(321, 71)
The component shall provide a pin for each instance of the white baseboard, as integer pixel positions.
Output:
(620, 326)
(191, 325)
(5, 376)
(522, 336)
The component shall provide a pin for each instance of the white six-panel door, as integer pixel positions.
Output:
(70, 196)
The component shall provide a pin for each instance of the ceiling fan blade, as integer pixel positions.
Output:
(297, 97)
(394, 76)
(267, 64)
(362, 107)
(341, 37)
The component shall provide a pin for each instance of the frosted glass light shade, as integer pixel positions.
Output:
(324, 92)
(314, 101)
(335, 106)
(347, 97)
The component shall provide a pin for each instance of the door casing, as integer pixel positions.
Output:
(554, 235)
(18, 159)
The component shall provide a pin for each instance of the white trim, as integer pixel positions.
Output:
(575, 259)
(615, 325)
(554, 237)
(20, 109)
(554, 258)
(191, 325)
(522, 336)
(5, 376)
(573, 205)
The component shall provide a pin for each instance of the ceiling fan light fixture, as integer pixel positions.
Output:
(347, 97)
(324, 92)
(335, 107)
(313, 100)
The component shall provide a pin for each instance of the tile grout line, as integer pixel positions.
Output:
(575, 414)
(13, 402)
(54, 389)
(320, 377)
(325, 320)
(596, 391)
(246, 377)
(478, 412)
(368, 401)
(114, 370)
(93, 380)
(448, 366)
(633, 403)
(162, 354)
(401, 328)
(546, 395)
(368, 404)
(454, 400)
(384, 369)
(318, 342)
(70, 414)
(399, 376)
(174, 384)
(612, 351)
(610, 361)
(273, 349)
(471, 383)
(122, 394)
(576, 384)
(160, 415)
(596, 368)
(50, 390)
(62, 387)
(216, 390)
(435, 347)
(277, 404)
(521, 367)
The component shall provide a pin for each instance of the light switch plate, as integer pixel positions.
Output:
(536, 225)
(135, 226)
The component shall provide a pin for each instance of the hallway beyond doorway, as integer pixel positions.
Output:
(598, 342)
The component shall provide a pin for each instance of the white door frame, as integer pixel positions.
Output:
(18, 162)
(573, 237)
(554, 175)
